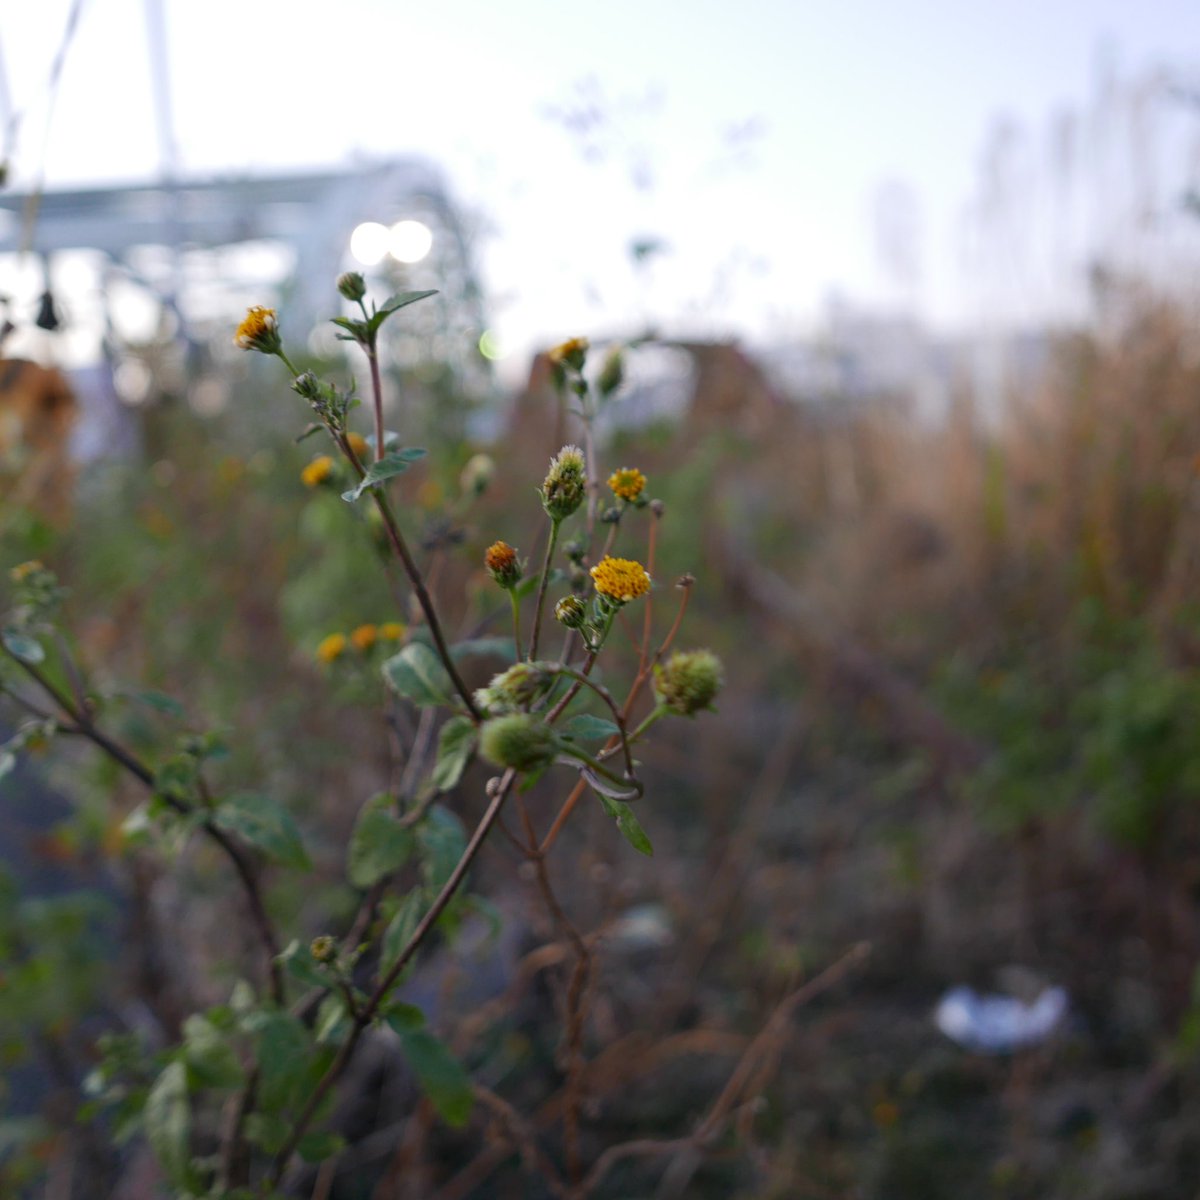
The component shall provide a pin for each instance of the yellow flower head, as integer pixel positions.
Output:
(572, 352)
(620, 579)
(358, 444)
(391, 631)
(317, 471)
(258, 331)
(22, 571)
(627, 483)
(364, 637)
(334, 646)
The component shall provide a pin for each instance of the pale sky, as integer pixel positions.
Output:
(831, 100)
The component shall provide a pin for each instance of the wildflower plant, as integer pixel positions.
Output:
(271, 1058)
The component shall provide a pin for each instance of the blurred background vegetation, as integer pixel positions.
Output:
(961, 724)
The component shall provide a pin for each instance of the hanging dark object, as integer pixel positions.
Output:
(47, 317)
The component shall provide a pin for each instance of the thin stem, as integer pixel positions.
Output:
(367, 1013)
(377, 393)
(516, 621)
(551, 542)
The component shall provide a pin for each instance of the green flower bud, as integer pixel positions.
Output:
(688, 681)
(516, 689)
(352, 286)
(565, 486)
(571, 612)
(323, 948)
(612, 373)
(518, 741)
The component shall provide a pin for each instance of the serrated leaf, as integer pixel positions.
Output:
(284, 1056)
(21, 645)
(401, 928)
(590, 728)
(379, 845)
(315, 1147)
(456, 744)
(265, 823)
(442, 841)
(403, 300)
(417, 673)
(394, 463)
(441, 1076)
(167, 1118)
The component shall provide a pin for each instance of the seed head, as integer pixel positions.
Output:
(565, 486)
(519, 742)
(689, 681)
(515, 689)
(323, 948)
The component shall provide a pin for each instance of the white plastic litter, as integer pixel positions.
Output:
(995, 1024)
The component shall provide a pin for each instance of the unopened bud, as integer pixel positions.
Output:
(352, 286)
(323, 948)
(571, 612)
(503, 565)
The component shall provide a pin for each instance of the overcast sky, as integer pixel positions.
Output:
(754, 138)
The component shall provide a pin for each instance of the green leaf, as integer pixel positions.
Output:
(456, 744)
(403, 300)
(167, 1119)
(314, 1147)
(209, 1055)
(357, 330)
(487, 647)
(588, 727)
(440, 1074)
(628, 824)
(265, 823)
(394, 463)
(401, 928)
(331, 1018)
(442, 842)
(298, 961)
(21, 645)
(379, 845)
(528, 585)
(284, 1056)
(417, 673)
(8, 762)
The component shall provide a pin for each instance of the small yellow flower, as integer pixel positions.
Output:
(22, 571)
(317, 471)
(364, 637)
(620, 579)
(627, 483)
(391, 631)
(332, 647)
(358, 444)
(258, 331)
(572, 352)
